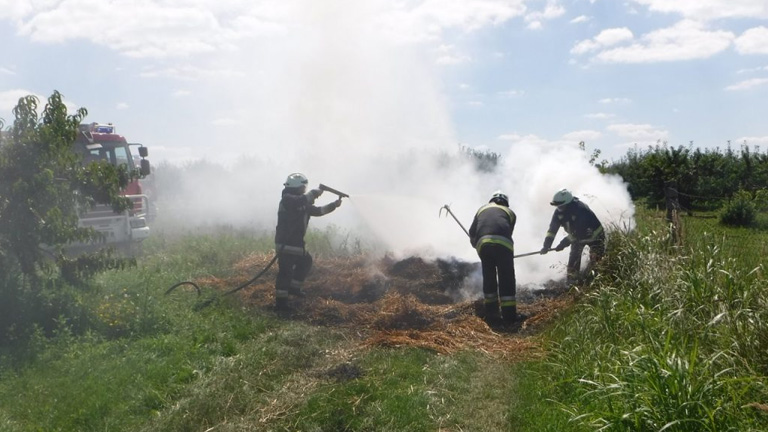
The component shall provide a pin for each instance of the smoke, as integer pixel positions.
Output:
(336, 98)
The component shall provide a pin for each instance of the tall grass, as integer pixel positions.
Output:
(667, 338)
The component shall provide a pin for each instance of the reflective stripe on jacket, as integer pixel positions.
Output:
(578, 221)
(293, 216)
(493, 223)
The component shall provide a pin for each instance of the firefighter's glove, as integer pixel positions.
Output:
(544, 250)
(337, 203)
(563, 244)
(314, 194)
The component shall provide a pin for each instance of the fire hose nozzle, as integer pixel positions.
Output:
(333, 191)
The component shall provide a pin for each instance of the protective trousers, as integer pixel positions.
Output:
(596, 252)
(293, 268)
(498, 261)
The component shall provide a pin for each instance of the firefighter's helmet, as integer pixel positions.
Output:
(296, 180)
(562, 197)
(500, 197)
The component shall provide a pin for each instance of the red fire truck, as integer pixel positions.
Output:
(123, 231)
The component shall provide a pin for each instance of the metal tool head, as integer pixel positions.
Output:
(333, 191)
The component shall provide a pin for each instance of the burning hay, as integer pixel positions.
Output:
(397, 303)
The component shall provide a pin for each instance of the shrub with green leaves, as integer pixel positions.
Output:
(740, 211)
(43, 184)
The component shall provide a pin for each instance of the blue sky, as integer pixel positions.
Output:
(220, 78)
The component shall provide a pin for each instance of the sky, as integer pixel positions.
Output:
(183, 76)
(364, 96)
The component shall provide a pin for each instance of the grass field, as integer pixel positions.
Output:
(666, 338)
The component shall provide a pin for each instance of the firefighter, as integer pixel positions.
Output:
(294, 262)
(491, 235)
(582, 228)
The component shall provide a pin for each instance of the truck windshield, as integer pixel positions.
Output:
(114, 155)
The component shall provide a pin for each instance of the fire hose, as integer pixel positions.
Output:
(203, 304)
(447, 208)
(208, 302)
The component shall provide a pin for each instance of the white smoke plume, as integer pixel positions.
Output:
(336, 98)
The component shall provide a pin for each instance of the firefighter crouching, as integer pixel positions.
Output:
(294, 262)
(582, 228)
(491, 235)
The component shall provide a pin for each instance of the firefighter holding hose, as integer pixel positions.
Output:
(294, 262)
(582, 228)
(491, 235)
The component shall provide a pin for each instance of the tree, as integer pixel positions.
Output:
(43, 185)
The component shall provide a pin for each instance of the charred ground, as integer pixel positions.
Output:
(408, 302)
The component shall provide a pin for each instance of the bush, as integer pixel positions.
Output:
(761, 200)
(741, 211)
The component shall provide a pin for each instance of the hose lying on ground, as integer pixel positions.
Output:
(201, 305)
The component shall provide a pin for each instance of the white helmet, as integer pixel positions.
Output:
(296, 180)
(562, 197)
(498, 196)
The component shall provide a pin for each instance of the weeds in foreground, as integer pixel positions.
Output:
(666, 339)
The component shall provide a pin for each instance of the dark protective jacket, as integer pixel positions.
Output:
(293, 218)
(578, 221)
(493, 223)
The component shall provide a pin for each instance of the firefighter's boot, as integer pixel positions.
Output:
(281, 300)
(509, 313)
(509, 308)
(492, 312)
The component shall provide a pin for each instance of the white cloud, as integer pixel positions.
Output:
(146, 29)
(475, 103)
(754, 140)
(6, 71)
(181, 93)
(600, 116)
(425, 20)
(604, 39)
(580, 19)
(582, 135)
(161, 29)
(450, 55)
(709, 9)
(551, 11)
(615, 100)
(191, 73)
(10, 98)
(752, 70)
(639, 133)
(122, 106)
(686, 40)
(748, 84)
(753, 41)
(510, 93)
(535, 25)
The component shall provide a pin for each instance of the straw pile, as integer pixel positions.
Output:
(396, 303)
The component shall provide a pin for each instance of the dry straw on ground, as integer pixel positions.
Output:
(396, 303)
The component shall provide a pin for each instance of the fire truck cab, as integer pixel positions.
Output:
(123, 231)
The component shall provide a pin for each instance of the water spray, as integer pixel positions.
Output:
(448, 209)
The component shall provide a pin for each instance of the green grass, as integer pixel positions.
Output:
(669, 338)
(666, 338)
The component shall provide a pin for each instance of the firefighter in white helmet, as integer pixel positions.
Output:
(582, 228)
(491, 235)
(294, 262)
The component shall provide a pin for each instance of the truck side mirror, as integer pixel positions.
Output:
(144, 170)
(143, 151)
